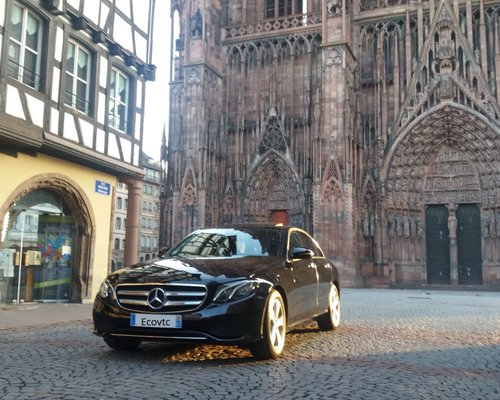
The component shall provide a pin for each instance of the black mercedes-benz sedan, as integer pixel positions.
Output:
(245, 285)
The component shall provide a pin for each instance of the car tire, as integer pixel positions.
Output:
(274, 329)
(331, 319)
(122, 343)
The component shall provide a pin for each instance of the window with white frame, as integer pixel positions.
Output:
(118, 100)
(25, 46)
(118, 223)
(78, 70)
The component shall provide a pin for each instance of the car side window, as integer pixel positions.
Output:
(317, 249)
(307, 242)
(294, 242)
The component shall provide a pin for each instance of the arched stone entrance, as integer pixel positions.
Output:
(272, 190)
(446, 160)
(47, 219)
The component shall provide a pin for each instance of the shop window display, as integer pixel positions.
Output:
(39, 226)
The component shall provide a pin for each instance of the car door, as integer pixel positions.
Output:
(323, 272)
(302, 296)
(325, 275)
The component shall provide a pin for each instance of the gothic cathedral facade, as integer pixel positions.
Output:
(373, 124)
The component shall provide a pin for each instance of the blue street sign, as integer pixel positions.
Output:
(102, 187)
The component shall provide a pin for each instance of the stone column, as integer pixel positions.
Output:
(131, 252)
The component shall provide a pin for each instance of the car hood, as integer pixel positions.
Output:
(198, 269)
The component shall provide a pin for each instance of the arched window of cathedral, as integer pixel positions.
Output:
(281, 8)
(388, 55)
(430, 64)
(461, 62)
(179, 45)
(424, 77)
(368, 222)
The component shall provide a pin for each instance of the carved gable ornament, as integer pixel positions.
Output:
(331, 188)
(189, 195)
(448, 70)
(273, 137)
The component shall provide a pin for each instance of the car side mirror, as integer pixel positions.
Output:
(301, 252)
(162, 252)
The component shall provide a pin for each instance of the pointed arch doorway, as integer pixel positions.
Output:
(442, 202)
(273, 193)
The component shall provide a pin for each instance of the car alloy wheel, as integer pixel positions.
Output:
(331, 319)
(273, 342)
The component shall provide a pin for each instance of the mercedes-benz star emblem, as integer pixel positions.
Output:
(157, 298)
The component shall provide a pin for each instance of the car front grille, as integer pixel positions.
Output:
(177, 297)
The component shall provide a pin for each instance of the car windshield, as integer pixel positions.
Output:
(230, 243)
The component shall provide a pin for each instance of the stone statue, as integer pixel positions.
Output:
(196, 24)
(390, 227)
(334, 7)
(452, 226)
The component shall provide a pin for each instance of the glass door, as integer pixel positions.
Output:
(52, 278)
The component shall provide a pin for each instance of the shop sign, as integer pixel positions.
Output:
(102, 187)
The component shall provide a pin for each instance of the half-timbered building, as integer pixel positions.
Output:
(374, 124)
(72, 96)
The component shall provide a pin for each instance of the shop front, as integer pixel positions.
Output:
(55, 230)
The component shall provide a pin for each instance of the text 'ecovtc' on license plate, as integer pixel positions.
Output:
(156, 321)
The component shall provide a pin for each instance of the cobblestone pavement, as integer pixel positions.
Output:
(392, 344)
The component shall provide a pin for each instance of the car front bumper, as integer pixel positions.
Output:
(230, 323)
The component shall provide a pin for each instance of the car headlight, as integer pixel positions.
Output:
(106, 291)
(235, 291)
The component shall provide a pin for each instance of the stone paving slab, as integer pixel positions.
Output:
(392, 344)
(24, 315)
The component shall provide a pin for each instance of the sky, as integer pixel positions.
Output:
(157, 92)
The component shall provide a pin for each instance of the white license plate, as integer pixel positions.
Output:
(156, 321)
